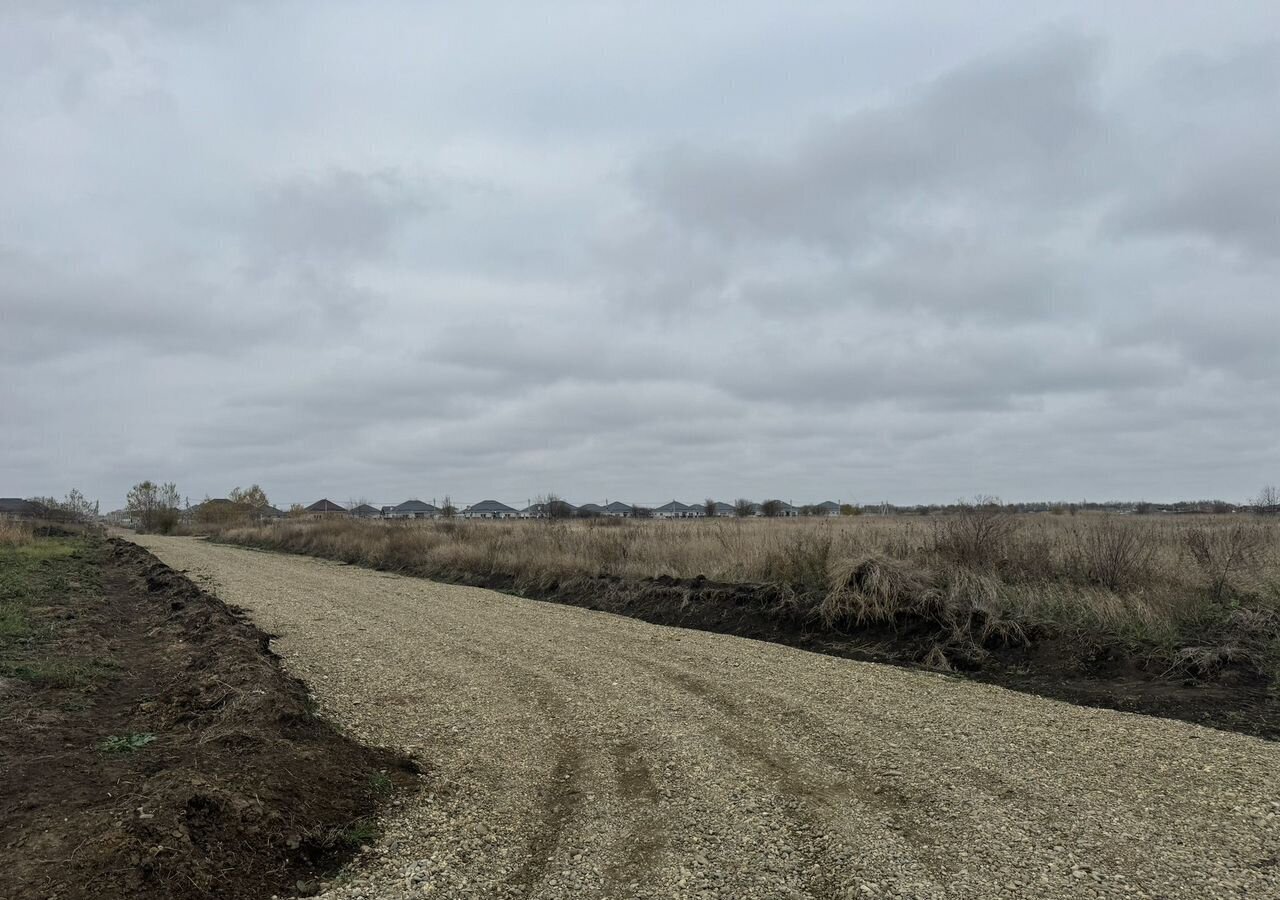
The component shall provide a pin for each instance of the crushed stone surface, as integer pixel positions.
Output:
(576, 754)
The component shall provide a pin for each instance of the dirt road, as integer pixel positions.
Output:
(575, 754)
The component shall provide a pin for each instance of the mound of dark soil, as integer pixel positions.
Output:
(176, 759)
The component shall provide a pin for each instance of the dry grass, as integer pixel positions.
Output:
(15, 534)
(1184, 588)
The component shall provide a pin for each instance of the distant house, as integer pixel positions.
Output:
(411, 509)
(785, 509)
(557, 509)
(365, 511)
(17, 508)
(590, 510)
(490, 509)
(270, 512)
(325, 508)
(217, 510)
(619, 510)
(724, 510)
(673, 510)
(828, 508)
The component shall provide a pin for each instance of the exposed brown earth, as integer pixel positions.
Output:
(168, 755)
(581, 754)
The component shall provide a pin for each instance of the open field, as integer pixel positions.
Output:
(152, 747)
(1126, 598)
(574, 754)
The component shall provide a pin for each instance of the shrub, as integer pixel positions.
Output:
(976, 536)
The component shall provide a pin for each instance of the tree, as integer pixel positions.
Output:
(771, 509)
(252, 497)
(447, 509)
(296, 511)
(1267, 503)
(849, 509)
(154, 506)
(78, 507)
(641, 512)
(743, 508)
(556, 508)
(709, 507)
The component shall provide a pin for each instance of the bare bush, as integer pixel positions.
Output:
(1267, 503)
(977, 535)
(1115, 555)
(1223, 553)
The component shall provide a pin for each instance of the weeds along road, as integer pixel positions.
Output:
(575, 754)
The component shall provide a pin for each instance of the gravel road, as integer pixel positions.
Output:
(574, 754)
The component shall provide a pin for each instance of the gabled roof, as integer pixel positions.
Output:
(591, 508)
(16, 506)
(490, 506)
(325, 506)
(415, 506)
(673, 506)
(364, 509)
(270, 512)
(828, 504)
(617, 506)
(723, 508)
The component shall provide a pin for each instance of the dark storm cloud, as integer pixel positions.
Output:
(491, 252)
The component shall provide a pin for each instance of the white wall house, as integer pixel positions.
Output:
(411, 509)
(490, 509)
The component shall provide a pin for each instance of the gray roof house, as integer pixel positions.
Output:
(725, 510)
(673, 510)
(326, 507)
(490, 509)
(16, 507)
(365, 511)
(619, 510)
(411, 509)
(540, 510)
(827, 508)
(590, 509)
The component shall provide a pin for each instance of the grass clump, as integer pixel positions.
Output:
(126, 743)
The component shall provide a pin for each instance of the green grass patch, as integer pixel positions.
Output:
(46, 574)
(126, 743)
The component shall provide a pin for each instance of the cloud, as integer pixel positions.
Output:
(332, 219)
(416, 250)
(1018, 127)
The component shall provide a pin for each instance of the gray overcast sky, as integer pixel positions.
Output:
(819, 250)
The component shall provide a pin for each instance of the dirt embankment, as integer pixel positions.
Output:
(167, 754)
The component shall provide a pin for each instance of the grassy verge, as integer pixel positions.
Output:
(35, 574)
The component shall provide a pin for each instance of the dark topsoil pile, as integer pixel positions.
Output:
(1232, 697)
(174, 758)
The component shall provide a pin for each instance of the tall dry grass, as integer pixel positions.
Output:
(985, 576)
(15, 534)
